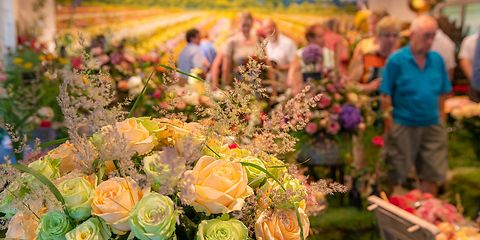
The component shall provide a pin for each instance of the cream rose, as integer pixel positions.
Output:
(282, 225)
(113, 201)
(66, 154)
(220, 186)
(137, 136)
(22, 226)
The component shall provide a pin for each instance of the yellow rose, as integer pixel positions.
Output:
(22, 226)
(137, 136)
(220, 186)
(281, 224)
(186, 138)
(352, 97)
(67, 156)
(113, 201)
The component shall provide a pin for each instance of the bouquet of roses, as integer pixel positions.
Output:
(154, 178)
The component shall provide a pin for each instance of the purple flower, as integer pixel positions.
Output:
(350, 117)
(312, 54)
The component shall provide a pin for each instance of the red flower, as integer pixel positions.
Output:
(45, 124)
(232, 146)
(378, 141)
(76, 62)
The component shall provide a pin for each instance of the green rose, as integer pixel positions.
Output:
(92, 229)
(217, 229)
(296, 192)
(54, 225)
(46, 166)
(78, 194)
(8, 196)
(155, 171)
(153, 217)
(150, 125)
(274, 166)
(255, 176)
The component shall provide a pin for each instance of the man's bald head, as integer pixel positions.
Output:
(270, 28)
(422, 33)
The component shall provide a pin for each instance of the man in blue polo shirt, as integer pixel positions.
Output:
(415, 83)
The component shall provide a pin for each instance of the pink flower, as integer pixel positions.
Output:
(333, 128)
(324, 101)
(331, 88)
(157, 94)
(336, 108)
(378, 141)
(181, 105)
(311, 128)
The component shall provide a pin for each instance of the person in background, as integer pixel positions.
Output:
(444, 45)
(368, 44)
(238, 48)
(191, 56)
(415, 83)
(365, 67)
(315, 39)
(469, 56)
(366, 72)
(207, 49)
(280, 49)
(337, 44)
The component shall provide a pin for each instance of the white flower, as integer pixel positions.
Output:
(135, 85)
(46, 113)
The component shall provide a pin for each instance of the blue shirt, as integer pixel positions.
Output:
(415, 92)
(208, 51)
(191, 57)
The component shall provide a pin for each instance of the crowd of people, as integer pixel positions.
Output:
(411, 75)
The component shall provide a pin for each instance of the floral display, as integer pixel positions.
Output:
(467, 116)
(162, 178)
(451, 224)
(341, 109)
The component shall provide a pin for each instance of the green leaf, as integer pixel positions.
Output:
(182, 72)
(54, 142)
(265, 171)
(45, 181)
(302, 236)
(140, 96)
(209, 148)
(117, 165)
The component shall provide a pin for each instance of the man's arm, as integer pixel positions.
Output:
(387, 109)
(466, 65)
(441, 106)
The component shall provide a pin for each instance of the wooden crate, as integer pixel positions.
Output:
(397, 224)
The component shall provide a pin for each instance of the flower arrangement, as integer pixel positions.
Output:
(445, 216)
(339, 110)
(467, 116)
(162, 178)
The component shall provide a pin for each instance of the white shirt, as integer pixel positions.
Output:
(282, 51)
(445, 47)
(467, 49)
